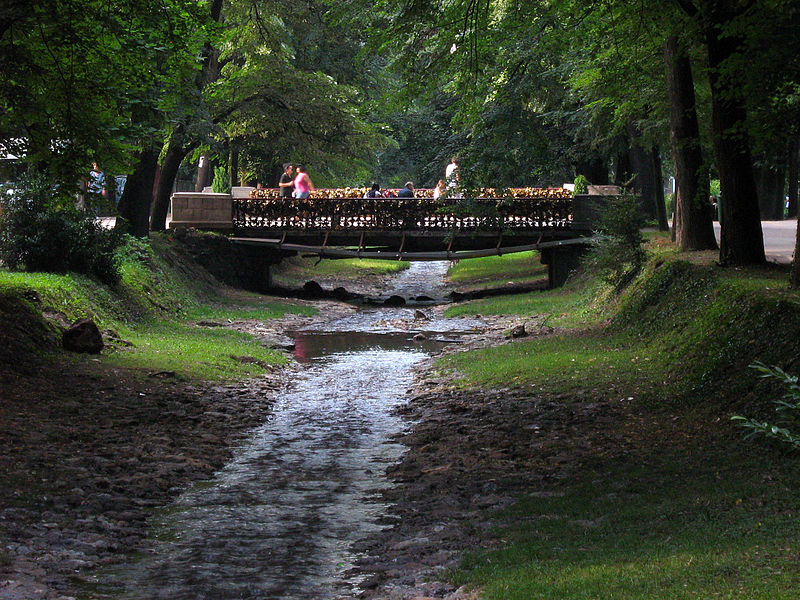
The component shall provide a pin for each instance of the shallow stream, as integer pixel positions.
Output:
(278, 520)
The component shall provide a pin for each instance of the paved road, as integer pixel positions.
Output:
(779, 239)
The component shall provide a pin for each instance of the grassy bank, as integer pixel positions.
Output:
(160, 317)
(667, 500)
(497, 271)
(293, 272)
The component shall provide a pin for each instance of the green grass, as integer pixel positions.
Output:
(569, 306)
(192, 352)
(680, 522)
(155, 307)
(497, 271)
(686, 509)
(295, 271)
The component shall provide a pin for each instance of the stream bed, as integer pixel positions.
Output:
(278, 521)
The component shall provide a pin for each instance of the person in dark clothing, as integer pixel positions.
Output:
(407, 191)
(373, 192)
(286, 182)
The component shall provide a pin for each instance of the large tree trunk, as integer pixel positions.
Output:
(233, 165)
(134, 206)
(770, 182)
(793, 174)
(693, 224)
(642, 167)
(173, 157)
(203, 173)
(623, 170)
(794, 276)
(742, 241)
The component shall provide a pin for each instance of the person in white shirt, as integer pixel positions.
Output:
(451, 173)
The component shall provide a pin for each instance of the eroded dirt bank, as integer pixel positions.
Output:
(88, 450)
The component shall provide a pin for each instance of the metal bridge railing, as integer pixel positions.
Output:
(403, 214)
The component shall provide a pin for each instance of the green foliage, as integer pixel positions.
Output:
(42, 230)
(581, 185)
(85, 80)
(714, 188)
(787, 407)
(222, 181)
(617, 252)
(154, 309)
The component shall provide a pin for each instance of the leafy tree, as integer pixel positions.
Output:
(78, 76)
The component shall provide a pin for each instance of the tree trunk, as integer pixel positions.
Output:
(742, 241)
(642, 167)
(173, 157)
(233, 165)
(660, 204)
(134, 206)
(594, 169)
(793, 174)
(693, 223)
(770, 182)
(622, 173)
(203, 170)
(794, 276)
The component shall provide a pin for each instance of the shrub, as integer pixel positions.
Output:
(222, 181)
(41, 229)
(787, 429)
(617, 252)
(581, 185)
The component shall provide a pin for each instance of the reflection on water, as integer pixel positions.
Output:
(278, 520)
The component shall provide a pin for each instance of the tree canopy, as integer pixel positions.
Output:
(526, 93)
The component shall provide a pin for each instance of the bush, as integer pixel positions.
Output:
(787, 430)
(222, 181)
(581, 185)
(617, 252)
(41, 229)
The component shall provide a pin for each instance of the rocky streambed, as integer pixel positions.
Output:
(89, 452)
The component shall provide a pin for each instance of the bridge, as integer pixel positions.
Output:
(342, 224)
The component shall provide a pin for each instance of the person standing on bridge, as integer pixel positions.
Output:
(286, 182)
(303, 186)
(439, 190)
(451, 175)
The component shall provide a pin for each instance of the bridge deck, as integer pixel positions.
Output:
(408, 228)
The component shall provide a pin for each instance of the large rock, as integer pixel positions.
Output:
(83, 336)
(313, 290)
(395, 300)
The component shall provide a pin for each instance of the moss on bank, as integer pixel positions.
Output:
(150, 317)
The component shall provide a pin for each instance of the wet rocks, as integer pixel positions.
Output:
(86, 453)
(394, 300)
(311, 289)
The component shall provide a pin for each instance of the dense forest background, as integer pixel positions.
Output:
(524, 93)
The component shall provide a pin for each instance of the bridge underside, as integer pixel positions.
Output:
(560, 251)
(407, 245)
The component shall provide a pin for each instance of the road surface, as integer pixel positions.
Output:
(779, 239)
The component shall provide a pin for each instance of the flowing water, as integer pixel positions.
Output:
(278, 521)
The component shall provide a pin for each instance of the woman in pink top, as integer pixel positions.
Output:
(303, 186)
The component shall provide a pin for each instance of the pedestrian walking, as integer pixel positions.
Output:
(303, 186)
